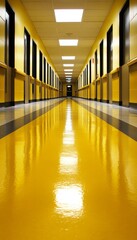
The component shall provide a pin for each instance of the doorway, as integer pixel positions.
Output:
(69, 91)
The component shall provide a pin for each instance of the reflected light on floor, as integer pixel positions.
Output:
(69, 200)
(68, 127)
(68, 139)
(68, 164)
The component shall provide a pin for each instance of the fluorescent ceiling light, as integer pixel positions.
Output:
(68, 73)
(68, 70)
(68, 15)
(68, 65)
(68, 42)
(68, 57)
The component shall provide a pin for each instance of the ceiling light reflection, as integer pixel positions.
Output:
(69, 200)
(68, 140)
(68, 164)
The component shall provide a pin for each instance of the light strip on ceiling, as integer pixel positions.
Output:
(68, 42)
(68, 57)
(68, 65)
(68, 80)
(68, 70)
(68, 15)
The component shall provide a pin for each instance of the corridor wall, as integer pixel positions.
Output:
(18, 85)
(117, 83)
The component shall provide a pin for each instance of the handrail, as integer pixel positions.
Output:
(3, 65)
(20, 73)
(98, 79)
(115, 71)
(86, 86)
(132, 61)
(104, 76)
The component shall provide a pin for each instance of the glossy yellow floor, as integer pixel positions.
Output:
(68, 175)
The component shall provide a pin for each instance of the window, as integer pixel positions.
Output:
(96, 65)
(40, 65)
(110, 49)
(87, 74)
(90, 71)
(26, 52)
(34, 59)
(101, 58)
(124, 34)
(45, 65)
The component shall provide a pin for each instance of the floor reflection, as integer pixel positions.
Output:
(68, 163)
(69, 200)
(69, 197)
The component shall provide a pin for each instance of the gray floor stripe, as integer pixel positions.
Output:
(124, 127)
(20, 122)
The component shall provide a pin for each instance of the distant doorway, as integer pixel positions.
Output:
(69, 90)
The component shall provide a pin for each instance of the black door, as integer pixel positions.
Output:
(69, 90)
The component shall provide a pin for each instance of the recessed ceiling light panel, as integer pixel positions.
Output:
(68, 70)
(68, 57)
(68, 65)
(68, 42)
(68, 15)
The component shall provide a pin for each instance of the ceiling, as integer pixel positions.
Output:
(41, 13)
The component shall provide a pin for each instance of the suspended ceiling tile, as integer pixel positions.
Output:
(97, 5)
(70, 4)
(51, 42)
(83, 30)
(94, 16)
(42, 16)
(86, 42)
(38, 6)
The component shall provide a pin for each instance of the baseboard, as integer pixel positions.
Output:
(117, 103)
(105, 101)
(133, 105)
